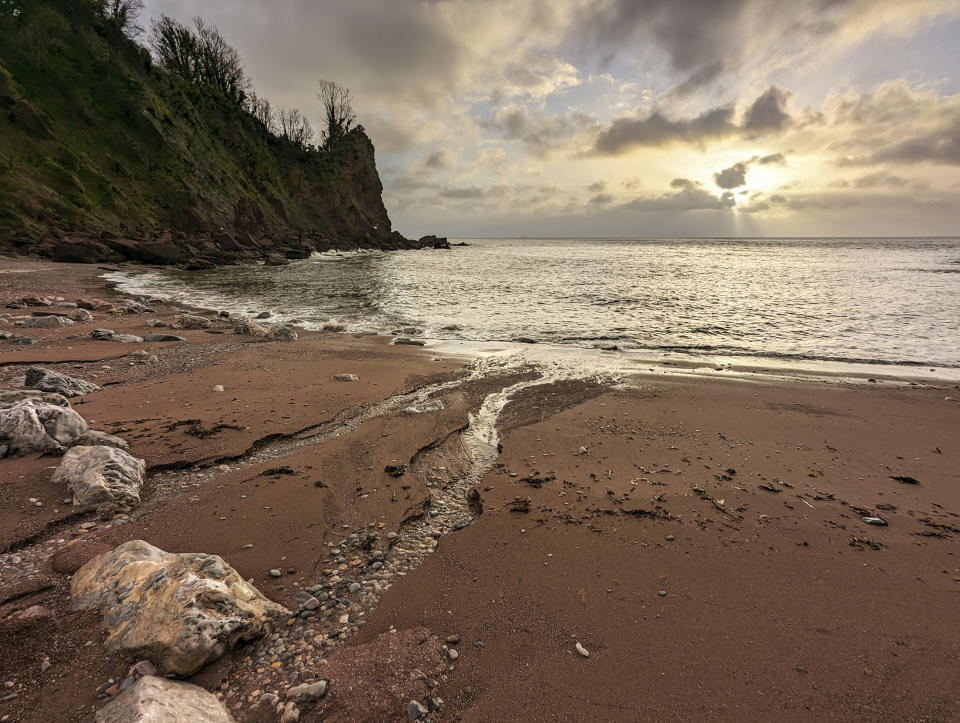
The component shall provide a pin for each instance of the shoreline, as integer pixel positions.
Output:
(541, 505)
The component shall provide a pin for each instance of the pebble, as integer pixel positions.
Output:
(452, 654)
(453, 639)
(415, 710)
(662, 593)
(355, 587)
(275, 573)
(582, 650)
(878, 521)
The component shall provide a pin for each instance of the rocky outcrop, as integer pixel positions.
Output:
(32, 426)
(14, 396)
(181, 611)
(47, 380)
(158, 700)
(47, 322)
(101, 476)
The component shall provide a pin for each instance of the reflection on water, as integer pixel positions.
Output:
(869, 299)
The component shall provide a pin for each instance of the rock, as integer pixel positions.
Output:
(433, 406)
(46, 380)
(10, 397)
(129, 306)
(218, 388)
(878, 521)
(333, 326)
(582, 650)
(32, 426)
(158, 700)
(662, 593)
(34, 301)
(142, 356)
(264, 315)
(275, 573)
(35, 612)
(283, 333)
(94, 438)
(127, 339)
(453, 639)
(189, 321)
(308, 692)
(355, 587)
(415, 710)
(251, 328)
(275, 260)
(180, 611)
(81, 315)
(163, 337)
(346, 378)
(452, 654)
(47, 322)
(103, 334)
(101, 475)
(94, 304)
(404, 341)
(142, 668)
(290, 714)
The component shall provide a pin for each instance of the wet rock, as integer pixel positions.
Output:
(283, 333)
(163, 337)
(94, 438)
(47, 322)
(189, 321)
(46, 380)
(180, 611)
(81, 315)
(160, 700)
(264, 315)
(334, 326)
(10, 397)
(101, 475)
(32, 426)
(404, 341)
(111, 335)
(251, 328)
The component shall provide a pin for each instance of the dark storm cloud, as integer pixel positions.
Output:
(766, 114)
(732, 177)
(688, 196)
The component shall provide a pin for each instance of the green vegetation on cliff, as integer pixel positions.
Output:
(95, 138)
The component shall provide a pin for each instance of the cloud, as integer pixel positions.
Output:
(439, 159)
(601, 199)
(540, 134)
(597, 186)
(732, 177)
(774, 158)
(471, 192)
(768, 112)
(878, 179)
(688, 197)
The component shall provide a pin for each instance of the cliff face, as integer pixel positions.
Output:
(101, 151)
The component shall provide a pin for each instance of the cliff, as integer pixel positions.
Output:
(103, 155)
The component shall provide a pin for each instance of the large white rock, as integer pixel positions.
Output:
(32, 426)
(47, 380)
(9, 397)
(181, 611)
(158, 700)
(101, 475)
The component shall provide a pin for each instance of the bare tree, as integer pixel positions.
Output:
(218, 63)
(124, 14)
(338, 113)
(295, 127)
(174, 47)
(260, 108)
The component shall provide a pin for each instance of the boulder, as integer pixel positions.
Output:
(345, 378)
(127, 339)
(9, 397)
(158, 700)
(80, 251)
(283, 333)
(111, 335)
(273, 259)
(251, 328)
(130, 306)
(81, 315)
(94, 304)
(181, 611)
(101, 475)
(32, 426)
(142, 356)
(47, 380)
(189, 321)
(94, 438)
(47, 322)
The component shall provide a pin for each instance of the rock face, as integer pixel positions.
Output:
(101, 475)
(46, 380)
(32, 426)
(180, 611)
(157, 700)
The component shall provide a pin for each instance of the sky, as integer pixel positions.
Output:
(630, 118)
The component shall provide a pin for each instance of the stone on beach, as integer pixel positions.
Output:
(163, 337)
(345, 378)
(251, 328)
(94, 438)
(101, 475)
(190, 321)
(160, 700)
(81, 315)
(46, 380)
(47, 322)
(31, 426)
(283, 333)
(180, 611)
(111, 335)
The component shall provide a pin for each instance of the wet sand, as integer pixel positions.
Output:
(700, 537)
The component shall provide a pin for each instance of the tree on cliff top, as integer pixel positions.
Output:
(124, 14)
(338, 113)
(295, 127)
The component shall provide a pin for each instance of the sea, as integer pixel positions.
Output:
(842, 301)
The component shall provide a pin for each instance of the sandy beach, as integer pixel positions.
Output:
(701, 538)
